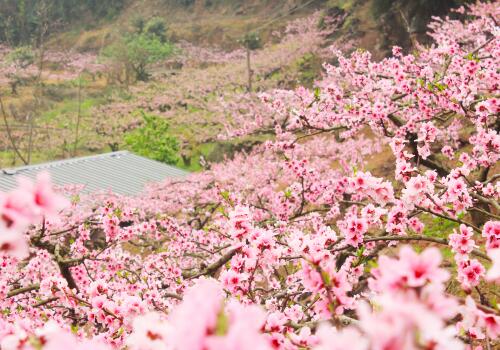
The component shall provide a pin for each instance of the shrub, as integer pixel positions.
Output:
(152, 140)
(136, 52)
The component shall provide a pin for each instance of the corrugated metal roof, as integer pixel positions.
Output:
(121, 172)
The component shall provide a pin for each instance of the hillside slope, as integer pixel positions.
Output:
(201, 88)
(378, 24)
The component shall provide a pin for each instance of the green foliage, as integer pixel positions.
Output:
(222, 324)
(152, 140)
(185, 2)
(22, 56)
(62, 111)
(341, 4)
(156, 26)
(146, 49)
(252, 41)
(137, 52)
(139, 23)
(439, 227)
(21, 20)
(309, 68)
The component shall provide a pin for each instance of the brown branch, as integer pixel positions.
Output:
(210, 270)
(442, 241)
(458, 221)
(173, 295)
(484, 212)
(22, 290)
(431, 162)
(9, 133)
(45, 302)
(486, 200)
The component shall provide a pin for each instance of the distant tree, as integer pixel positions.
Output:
(22, 56)
(186, 2)
(157, 26)
(20, 19)
(144, 50)
(20, 59)
(251, 41)
(136, 52)
(139, 23)
(152, 140)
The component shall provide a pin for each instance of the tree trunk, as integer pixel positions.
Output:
(78, 116)
(250, 72)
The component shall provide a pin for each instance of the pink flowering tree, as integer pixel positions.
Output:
(300, 244)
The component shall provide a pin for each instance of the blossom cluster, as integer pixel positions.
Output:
(29, 203)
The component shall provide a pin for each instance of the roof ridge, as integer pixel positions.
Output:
(121, 172)
(14, 171)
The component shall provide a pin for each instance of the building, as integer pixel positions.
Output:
(121, 172)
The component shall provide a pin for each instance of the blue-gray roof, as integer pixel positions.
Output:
(121, 172)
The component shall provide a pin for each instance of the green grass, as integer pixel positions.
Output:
(214, 152)
(309, 68)
(7, 157)
(193, 109)
(440, 228)
(70, 108)
(205, 149)
(345, 5)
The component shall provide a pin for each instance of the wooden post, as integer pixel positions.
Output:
(78, 117)
(30, 140)
(250, 72)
